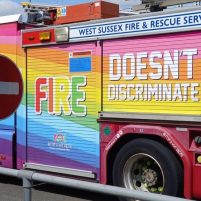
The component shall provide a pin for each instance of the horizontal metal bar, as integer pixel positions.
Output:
(9, 172)
(60, 170)
(9, 88)
(104, 189)
(88, 186)
(143, 116)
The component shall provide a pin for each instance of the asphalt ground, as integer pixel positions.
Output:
(11, 190)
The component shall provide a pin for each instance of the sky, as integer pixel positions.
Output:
(8, 7)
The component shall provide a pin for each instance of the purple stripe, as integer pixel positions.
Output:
(6, 153)
(47, 158)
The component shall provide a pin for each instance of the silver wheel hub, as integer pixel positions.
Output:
(149, 177)
(143, 172)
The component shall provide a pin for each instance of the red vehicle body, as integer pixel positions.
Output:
(114, 101)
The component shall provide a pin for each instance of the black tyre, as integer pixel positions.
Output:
(149, 166)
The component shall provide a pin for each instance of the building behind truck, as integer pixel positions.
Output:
(106, 98)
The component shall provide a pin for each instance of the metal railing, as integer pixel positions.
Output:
(29, 176)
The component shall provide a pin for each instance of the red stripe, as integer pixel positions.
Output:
(77, 54)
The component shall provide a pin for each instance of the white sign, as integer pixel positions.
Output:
(137, 26)
(61, 12)
(9, 88)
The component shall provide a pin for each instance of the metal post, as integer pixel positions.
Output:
(27, 185)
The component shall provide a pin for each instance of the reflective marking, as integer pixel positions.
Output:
(181, 129)
(9, 88)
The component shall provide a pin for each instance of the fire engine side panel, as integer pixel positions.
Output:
(63, 104)
(153, 74)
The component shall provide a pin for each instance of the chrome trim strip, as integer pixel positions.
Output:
(60, 170)
(143, 116)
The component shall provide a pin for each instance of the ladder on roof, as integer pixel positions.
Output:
(29, 7)
(159, 5)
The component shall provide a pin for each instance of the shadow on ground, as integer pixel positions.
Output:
(48, 192)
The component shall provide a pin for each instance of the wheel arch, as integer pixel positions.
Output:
(184, 161)
(127, 138)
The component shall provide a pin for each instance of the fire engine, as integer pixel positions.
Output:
(108, 96)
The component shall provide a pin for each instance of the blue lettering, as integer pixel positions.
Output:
(185, 20)
(110, 29)
(165, 22)
(82, 31)
(88, 31)
(132, 26)
(179, 21)
(115, 28)
(196, 19)
(99, 30)
(157, 23)
(192, 19)
(153, 24)
(120, 27)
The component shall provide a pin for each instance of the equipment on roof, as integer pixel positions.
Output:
(87, 11)
(159, 5)
(45, 14)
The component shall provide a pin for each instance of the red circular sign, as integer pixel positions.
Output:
(11, 87)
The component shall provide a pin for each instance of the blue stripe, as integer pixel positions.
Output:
(80, 64)
(7, 123)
